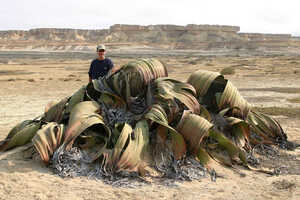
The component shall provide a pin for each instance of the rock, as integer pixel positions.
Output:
(191, 36)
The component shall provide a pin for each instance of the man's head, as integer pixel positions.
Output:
(101, 51)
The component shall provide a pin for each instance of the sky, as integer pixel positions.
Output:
(254, 16)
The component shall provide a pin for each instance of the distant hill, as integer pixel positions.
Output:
(119, 36)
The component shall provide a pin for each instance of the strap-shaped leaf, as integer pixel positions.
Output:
(54, 112)
(100, 91)
(240, 131)
(205, 114)
(21, 134)
(131, 148)
(159, 116)
(178, 144)
(233, 151)
(266, 127)
(201, 81)
(170, 89)
(137, 148)
(83, 116)
(48, 139)
(231, 98)
(204, 158)
(136, 75)
(193, 128)
(123, 140)
(76, 98)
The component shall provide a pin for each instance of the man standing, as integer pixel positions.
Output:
(101, 65)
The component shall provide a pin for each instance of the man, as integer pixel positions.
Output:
(101, 65)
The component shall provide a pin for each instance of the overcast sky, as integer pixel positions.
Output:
(256, 16)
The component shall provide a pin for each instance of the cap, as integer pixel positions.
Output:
(100, 46)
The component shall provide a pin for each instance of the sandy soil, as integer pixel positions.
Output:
(28, 84)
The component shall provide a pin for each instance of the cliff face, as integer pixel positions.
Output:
(164, 36)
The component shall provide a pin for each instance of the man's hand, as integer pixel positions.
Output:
(114, 69)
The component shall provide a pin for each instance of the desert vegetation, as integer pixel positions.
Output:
(267, 82)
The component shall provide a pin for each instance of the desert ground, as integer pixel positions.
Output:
(269, 81)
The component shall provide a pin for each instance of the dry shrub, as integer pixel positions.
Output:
(31, 80)
(227, 71)
(209, 64)
(193, 62)
(294, 100)
(275, 111)
(4, 61)
(296, 71)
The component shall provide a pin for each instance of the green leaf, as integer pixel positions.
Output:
(21, 134)
(76, 98)
(240, 130)
(54, 112)
(204, 158)
(233, 151)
